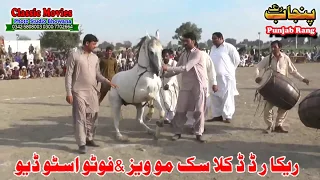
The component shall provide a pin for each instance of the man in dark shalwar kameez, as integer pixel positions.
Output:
(81, 78)
(193, 90)
(108, 67)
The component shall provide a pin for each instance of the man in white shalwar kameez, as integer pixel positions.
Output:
(212, 82)
(226, 59)
(170, 90)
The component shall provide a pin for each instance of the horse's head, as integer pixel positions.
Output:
(149, 54)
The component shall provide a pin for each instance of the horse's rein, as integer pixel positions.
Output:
(146, 70)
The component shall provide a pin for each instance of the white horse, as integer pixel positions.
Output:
(139, 85)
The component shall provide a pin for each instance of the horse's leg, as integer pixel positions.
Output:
(116, 104)
(140, 111)
(159, 123)
(150, 112)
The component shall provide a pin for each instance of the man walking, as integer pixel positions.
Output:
(81, 85)
(226, 59)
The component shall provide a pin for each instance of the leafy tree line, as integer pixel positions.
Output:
(64, 41)
(192, 27)
(117, 46)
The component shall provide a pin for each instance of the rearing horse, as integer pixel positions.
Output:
(139, 85)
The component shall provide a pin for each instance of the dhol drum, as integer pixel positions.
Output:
(279, 90)
(309, 107)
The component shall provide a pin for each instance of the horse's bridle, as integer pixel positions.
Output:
(148, 55)
(143, 67)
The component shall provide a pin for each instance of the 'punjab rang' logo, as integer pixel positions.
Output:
(277, 13)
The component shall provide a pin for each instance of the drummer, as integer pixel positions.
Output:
(281, 63)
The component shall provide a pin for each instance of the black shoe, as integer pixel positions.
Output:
(166, 121)
(200, 139)
(91, 143)
(176, 137)
(215, 119)
(268, 130)
(82, 149)
(280, 129)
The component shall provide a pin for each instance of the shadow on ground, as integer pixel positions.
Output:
(301, 89)
(45, 136)
(38, 103)
(302, 154)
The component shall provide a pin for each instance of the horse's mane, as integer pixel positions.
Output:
(139, 45)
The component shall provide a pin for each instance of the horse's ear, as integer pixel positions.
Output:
(158, 34)
(147, 34)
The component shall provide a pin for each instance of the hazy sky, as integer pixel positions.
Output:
(120, 20)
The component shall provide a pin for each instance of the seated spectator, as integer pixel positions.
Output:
(7, 63)
(2, 72)
(8, 73)
(50, 71)
(15, 73)
(24, 73)
(31, 71)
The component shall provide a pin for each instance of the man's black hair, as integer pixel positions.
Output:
(276, 42)
(171, 52)
(89, 38)
(190, 35)
(218, 34)
(165, 51)
(109, 48)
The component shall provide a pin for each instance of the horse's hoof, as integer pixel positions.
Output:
(155, 137)
(157, 133)
(122, 138)
(160, 123)
(151, 132)
(147, 118)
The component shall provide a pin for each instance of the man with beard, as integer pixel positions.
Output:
(193, 90)
(82, 75)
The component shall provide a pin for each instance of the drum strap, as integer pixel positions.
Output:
(258, 97)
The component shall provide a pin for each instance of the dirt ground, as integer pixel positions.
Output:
(36, 118)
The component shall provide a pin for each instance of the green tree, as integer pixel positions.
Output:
(187, 27)
(63, 41)
(127, 44)
(202, 45)
(118, 46)
(231, 41)
(175, 46)
(23, 38)
(105, 44)
(169, 45)
(209, 43)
